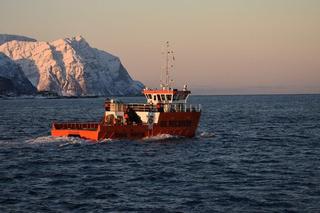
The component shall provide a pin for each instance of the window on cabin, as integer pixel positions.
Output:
(169, 97)
(163, 97)
(159, 99)
(154, 97)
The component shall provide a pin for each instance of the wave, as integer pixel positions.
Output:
(162, 137)
(64, 141)
(50, 139)
(106, 140)
(205, 134)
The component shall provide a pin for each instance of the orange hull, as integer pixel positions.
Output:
(173, 123)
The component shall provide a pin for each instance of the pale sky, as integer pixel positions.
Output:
(221, 46)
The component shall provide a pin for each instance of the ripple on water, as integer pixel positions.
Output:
(251, 153)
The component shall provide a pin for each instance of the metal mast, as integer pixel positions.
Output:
(168, 66)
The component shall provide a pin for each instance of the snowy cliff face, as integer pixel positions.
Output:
(6, 38)
(12, 78)
(71, 67)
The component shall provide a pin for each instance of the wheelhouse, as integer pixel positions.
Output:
(170, 96)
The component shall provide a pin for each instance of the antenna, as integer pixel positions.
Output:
(168, 65)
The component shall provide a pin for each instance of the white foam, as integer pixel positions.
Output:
(207, 135)
(107, 140)
(50, 139)
(64, 141)
(161, 137)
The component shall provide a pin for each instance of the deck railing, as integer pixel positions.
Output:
(76, 125)
(139, 107)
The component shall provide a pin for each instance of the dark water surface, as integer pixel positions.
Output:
(264, 157)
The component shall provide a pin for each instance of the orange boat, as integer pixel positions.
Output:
(166, 112)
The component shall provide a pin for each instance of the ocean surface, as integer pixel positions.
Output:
(251, 154)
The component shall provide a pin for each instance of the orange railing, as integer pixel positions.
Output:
(76, 125)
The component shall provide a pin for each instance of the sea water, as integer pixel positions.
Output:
(251, 153)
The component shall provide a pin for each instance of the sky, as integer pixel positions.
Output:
(221, 46)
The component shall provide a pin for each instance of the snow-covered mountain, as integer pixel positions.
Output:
(5, 38)
(12, 79)
(71, 67)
